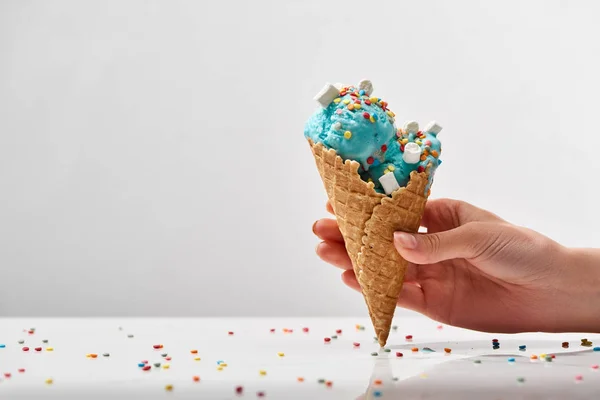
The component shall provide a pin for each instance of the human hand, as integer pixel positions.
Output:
(474, 270)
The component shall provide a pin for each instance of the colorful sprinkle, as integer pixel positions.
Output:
(166, 366)
(157, 365)
(334, 336)
(377, 382)
(565, 345)
(595, 366)
(21, 370)
(230, 333)
(511, 359)
(350, 107)
(408, 337)
(327, 340)
(596, 349)
(239, 389)
(477, 361)
(374, 354)
(146, 368)
(272, 330)
(346, 101)
(196, 378)
(280, 354)
(194, 351)
(494, 340)
(2, 346)
(21, 341)
(447, 350)
(7, 375)
(25, 348)
(321, 380)
(168, 388)
(520, 379)
(366, 115)
(534, 357)
(164, 355)
(262, 372)
(387, 350)
(579, 378)
(398, 354)
(415, 349)
(328, 383)
(49, 381)
(522, 347)
(548, 358)
(196, 358)
(168, 358)
(300, 379)
(130, 336)
(356, 344)
(377, 393)
(260, 394)
(157, 346)
(338, 331)
(141, 365)
(305, 330)
(106, 355)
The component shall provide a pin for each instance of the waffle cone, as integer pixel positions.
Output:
(367, 221)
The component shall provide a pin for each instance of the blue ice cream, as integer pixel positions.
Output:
(360, 127)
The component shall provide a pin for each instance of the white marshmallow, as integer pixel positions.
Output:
(389, 183)
(411, 127)
(433, 127)
(339, 86)
(366, 85)
(337, 126)
(412, 153)
(326, 95)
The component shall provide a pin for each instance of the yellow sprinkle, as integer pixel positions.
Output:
(404, 141)
(347, 134)
(49, 381)
(166, 366)
(196, 358)
(168, 388)
(419, 142)
(357, 106)
(434, 153)
(368, 180)
(219, 368)
(386, 171)
(88, 355)
(49, 348)
(280, 354)
(391, 167)
(223, 364)
(374, 99)
(372, 119)
(543, 355)
(262, 372)
(346, 101)
(336, 101)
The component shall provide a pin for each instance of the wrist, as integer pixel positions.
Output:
(581, 280)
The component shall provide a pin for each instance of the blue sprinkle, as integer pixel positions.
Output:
(377, 393)
(141, 365)
(512, 359)
(595, 348)
(522, 347)
(374, 117)
(362, 92)
(376, 162)
(439, 162)
(2, 346)
(427, 349)
(220, 362)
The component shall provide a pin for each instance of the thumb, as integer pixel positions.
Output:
(466, 241)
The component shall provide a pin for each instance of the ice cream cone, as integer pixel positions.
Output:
(367, 221)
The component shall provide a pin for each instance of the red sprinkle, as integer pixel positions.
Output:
(260, 394)
(146, 367)
(398, 354)
(21, 370)
(239, 389)
(168, 358)
(552, 355)
(408, 337)
(157, 346)
(144, 361)
(230, 333)
(402, 148)
(38, 349)
(7, 374)
(338, 331)
(368, 102)
(578, 377)
(366, 115)
(25, 348)
(440, 326)
(370, 160)
(495, 340)
(595, 366)
(384, 148)
(272, 330)
(31, 332)
(356, 344)
(329, 384)
(327, 340)
(420, 169)
(428, 143)
(305, 330)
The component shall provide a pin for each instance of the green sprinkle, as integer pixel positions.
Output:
(21, 341)
(164, 354)
(549, 358)
(130, 335)
(157, 365)
(45, 341)
(321, 380)
(395, 379)
(395, 327)
(334, 337)
(520, 379)
(387, 350)
(106, 355)
(362, 328)
(477, 361)
(374, 354)
(375, 338)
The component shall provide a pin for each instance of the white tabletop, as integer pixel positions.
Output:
(352, 371)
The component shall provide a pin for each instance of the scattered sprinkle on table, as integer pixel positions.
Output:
(328, 383)
(305, 330)
(596, 348)
(377, 382)
(334, 336)
(166, 366)
(49, 348)
(374, 353)
(169, 388)
(565, 345)
(447, 350)
(534, 357)
(49, 381)
(377, 393)
(260, 394)
(106, 354)
(327, 340)
(157, 346)
(196, 358)
(219, 368)
(520, 379)
(321, 380)
(428, 350)
(595, 366)
(45, 341)
(338, 331)
(578, 378)
(415, 349)
(356, 344)
(280, 354)
(196, 378)
(398, 354)
(440, 326)
(141, 365)
(157, 365)
(494, 340)
(262, 372)
(168, 358)
(21, 341)
(7, 375)
(239, 389)
(523, 347)
(130, 336)
(2, 346)
(548, 358)
(511, 360)
(230, 333)
(395, 379)
(300, 379)
(272, 330)
(164, 354)
(146, 368)
(408, 337)
(387, 350)
(477, 361)
(21, 370)
(223, 365)
(25, 348)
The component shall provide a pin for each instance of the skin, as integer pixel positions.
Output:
(472, 269)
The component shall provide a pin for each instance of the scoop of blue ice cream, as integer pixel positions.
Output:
(360, 127)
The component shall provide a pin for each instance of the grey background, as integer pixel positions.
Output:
(152, 160)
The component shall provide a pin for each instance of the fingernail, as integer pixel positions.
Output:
(317, 247)
(405, 240)
(313, 226)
